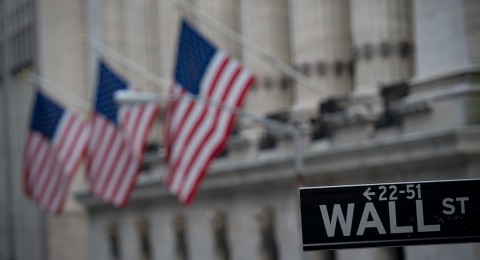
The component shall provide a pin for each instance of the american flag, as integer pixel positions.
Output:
(196, 132)
(55, 146)
(117, 141)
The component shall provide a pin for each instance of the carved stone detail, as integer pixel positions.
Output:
(383, 49)
(320, 68)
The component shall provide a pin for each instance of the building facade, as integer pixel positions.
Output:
(398, 84)
(396, 97)
(22, 229)
(38, 38)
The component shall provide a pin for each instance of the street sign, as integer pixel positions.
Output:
(393, 214)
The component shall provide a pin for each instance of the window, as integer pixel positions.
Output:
(269, 139)
(20, 34)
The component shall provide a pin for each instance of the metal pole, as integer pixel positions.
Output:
(155, 79)
(249, 46)
(132, 97)
(297, 142)
(45, 84)
(127, 96)
(129, 64)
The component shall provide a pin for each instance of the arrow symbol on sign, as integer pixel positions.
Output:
(367, 194)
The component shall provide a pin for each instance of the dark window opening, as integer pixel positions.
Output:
(152, 151)
(267, 142)
(320, 128)
(21, 36)
(391, 94)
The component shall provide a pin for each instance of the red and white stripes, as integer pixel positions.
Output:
(116, 152)
(196, 131)
(50, 166)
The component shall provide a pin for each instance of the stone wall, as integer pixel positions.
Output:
(405, 78)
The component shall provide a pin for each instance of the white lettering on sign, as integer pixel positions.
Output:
(337, 214)
(448, 203)
(462, 203)
(370, 210)
(367, 194)
(371, 219)
(420, 221)
(394, 229)
(393, 192)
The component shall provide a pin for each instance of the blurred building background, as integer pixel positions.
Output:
(400, 95)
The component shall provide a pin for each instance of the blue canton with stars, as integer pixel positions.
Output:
(194, 54)
(108, 83)
(46, 116)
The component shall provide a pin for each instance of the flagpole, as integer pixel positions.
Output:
(249, 46)
(44, 83)
(128, 63)
(137, 97)
(132, 97)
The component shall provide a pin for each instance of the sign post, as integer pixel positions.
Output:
(393, 214)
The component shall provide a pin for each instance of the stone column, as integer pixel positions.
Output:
(447, 36)
(444, 91)
(382, 43)
(265, 23)
(114, 30)
(168, 27)
(321, 49)
(139, 43)
(152, 48)
(227, 13)
(381, 55)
